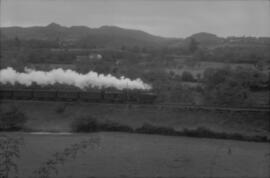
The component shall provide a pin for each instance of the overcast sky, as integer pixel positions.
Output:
(170, 18)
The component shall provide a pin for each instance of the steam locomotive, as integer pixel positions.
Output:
(87, 96)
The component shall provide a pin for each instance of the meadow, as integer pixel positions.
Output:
(48, 141)
(139, 155)
(58, 117)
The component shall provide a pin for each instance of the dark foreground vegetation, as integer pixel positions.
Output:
(90, 124)
(10, 152)
(12, 119)
(17, 119)
(119, 154)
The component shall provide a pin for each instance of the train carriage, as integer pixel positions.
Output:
(22, 94)
(114, 96)
(87, 96)
(132, 96)
(6, 94)
(44, 95)
(68, 95)
(146, 98)
(92, 96)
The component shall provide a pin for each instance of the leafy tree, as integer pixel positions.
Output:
(227, 93)
(187, 77)
(193, 45)
(17, 42)
(232, 87)
(225, 87)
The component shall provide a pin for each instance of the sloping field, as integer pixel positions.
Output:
(139, 155)
(57, 116)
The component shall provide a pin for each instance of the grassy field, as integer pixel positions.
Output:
(57, 117)
(139, 155)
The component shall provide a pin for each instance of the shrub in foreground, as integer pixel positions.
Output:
(90, 124)
(113, 126)
(150, 129)
(201, 132)
(207, 133)
(60, 109)
(12, 120)
(85, 124)
(187, 77)
(9, 153)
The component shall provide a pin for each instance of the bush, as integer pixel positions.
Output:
(9, 153)
(231, 87)
(187, 77)
(114, 126)
(61, 108)
(199, 132)
(90, 124)
(206, 133)
(12, 120)
(150, 129)
(85, 124)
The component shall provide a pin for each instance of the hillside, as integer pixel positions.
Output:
(115, 37)
(104, 36)
(206, 39)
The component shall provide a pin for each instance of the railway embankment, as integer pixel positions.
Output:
(59, 116)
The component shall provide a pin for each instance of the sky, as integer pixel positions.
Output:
(168, 18)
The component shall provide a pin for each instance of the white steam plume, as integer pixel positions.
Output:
(69, 77)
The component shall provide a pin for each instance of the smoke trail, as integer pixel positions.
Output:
(69, 77)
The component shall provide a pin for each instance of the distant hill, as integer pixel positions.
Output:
(206, 39)
(212, 41)
(112, 36)
(105, 35)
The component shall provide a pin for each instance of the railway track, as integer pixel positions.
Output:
(179, 106)
(216, 108)
(134, 99)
